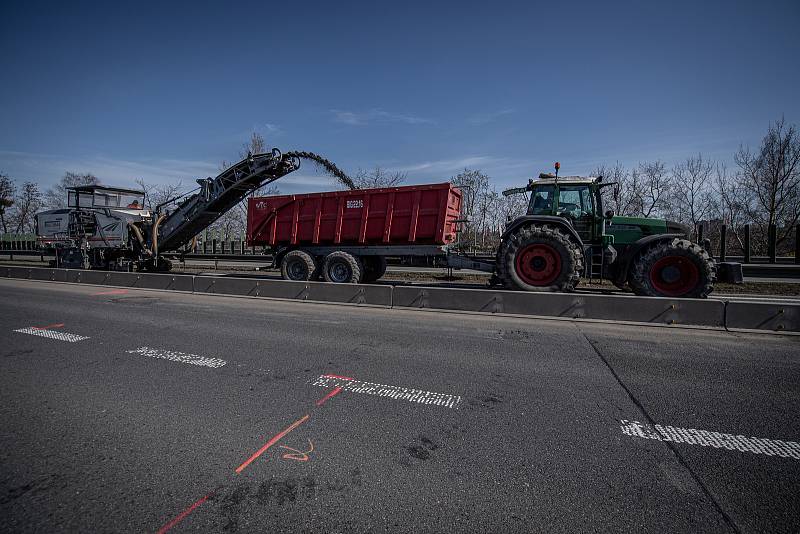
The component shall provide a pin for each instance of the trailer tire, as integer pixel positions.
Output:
(298, 265)
(674, 268)
(374, 268)
(539, 258)
(342, 268)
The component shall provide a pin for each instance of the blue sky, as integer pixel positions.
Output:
(165, 91)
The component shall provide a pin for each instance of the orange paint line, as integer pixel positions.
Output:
(272, 442)
(112, 292)
(59, 325)
(339, 377)
(328, 396)
(183, 514)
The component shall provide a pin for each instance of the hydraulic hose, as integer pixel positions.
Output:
(157, 222)
(139, 236)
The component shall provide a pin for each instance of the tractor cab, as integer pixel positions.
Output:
(571, 197)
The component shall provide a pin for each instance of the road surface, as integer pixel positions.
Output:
(143, 411)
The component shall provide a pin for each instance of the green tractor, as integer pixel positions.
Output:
(565, 236)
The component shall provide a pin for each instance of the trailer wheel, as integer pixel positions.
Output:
(342, 268)
(539, 258)
(676, 268)
(374, 268)
(298, 265)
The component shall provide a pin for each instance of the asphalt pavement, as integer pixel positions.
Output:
(126, 410)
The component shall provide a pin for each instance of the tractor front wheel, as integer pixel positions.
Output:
(540, 258)
(676, 268)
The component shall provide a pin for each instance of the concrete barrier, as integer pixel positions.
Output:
(372, 295)
(777, 317)
(735, 315)
(285, 289)
(225, 286)
(53, 275)
(573, 305)
(172, 282)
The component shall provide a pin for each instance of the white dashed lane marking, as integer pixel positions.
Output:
(706, 438)
(51, 334)
(182, 357)
(393, 392)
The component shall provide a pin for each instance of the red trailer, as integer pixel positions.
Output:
(345, 236)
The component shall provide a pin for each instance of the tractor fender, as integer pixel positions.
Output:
(525, 220)
(629, 255)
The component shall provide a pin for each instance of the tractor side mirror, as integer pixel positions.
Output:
(609, 214)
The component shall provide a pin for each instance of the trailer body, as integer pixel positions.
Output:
(386, 217)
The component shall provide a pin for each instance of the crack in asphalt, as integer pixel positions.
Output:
(681, 460)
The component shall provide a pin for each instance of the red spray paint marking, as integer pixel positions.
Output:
(276, 438)
(339, 377)
(59, 325)
(112, 292)
(333, 393)
(180, 517)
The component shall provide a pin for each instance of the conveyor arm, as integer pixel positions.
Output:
(218, 195)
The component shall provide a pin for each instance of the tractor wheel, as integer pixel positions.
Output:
(342, 268)
(676, 268)
(374, 268)
(540, 258)
(298, 265)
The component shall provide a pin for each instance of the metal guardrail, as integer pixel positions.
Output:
(730, 314)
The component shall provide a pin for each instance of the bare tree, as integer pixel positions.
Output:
(27, 202)
(155, 194)
(729, 202)
(256, 145)
(651, 182)
(623, 196)
(7, 191)
(691, 190)
(378, 177)
(56, 196)
(474, 187)
(771, 177)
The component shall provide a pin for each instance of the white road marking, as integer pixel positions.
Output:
(706, 438)
(182, 357)
(393, 392)
(51, 334)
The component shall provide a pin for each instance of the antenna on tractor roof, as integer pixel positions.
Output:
(557, 166)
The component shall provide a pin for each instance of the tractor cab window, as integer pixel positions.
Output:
(542, 201)
(574, 202)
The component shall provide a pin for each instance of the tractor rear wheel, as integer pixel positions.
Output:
(342, 268)
(540, 258)
(676, 268)
(374, 268)
(298, 265)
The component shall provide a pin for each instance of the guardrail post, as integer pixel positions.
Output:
(699, 232)
(772, 238)
(746, 250)
(222, 244)
(213, 246)
(723, 239)
(241, 246)
(797, 244)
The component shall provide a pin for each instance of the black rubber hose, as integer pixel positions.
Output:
(325, 164)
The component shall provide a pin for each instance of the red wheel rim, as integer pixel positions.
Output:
(674, 276)
(538, 264)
